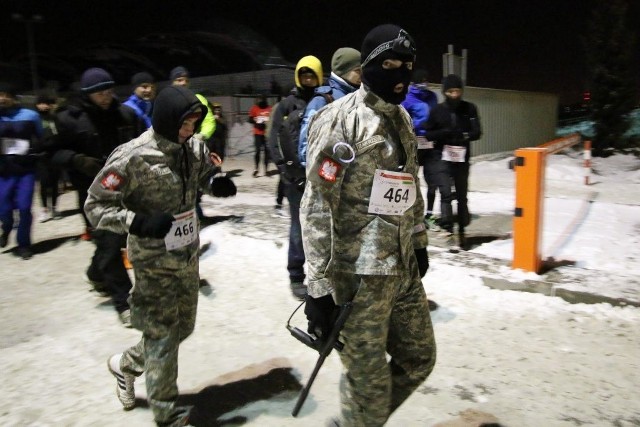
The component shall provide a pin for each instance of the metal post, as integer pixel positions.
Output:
(463, 66)
(31, 45)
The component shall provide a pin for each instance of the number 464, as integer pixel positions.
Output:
(397, 195)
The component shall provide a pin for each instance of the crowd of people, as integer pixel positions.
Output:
(349, 154)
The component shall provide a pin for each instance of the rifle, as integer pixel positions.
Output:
(321, 345)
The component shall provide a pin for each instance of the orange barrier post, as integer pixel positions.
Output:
(529, 167)
(587, 162)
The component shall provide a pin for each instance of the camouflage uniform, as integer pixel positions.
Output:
(154, 174)
(368, 258)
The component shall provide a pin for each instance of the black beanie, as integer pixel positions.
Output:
(177, 72)
(95, 80)
(9, 89)
(450, 82)
(387, 38)
(141, 78)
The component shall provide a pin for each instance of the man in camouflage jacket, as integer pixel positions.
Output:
(364, 234)
(148, 189)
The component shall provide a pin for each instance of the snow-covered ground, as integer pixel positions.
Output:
(524, 358)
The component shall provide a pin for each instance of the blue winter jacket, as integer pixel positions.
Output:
(142, 108)
(418, 104)
(337, 88)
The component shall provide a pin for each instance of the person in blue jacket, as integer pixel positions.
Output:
(141, 100)
(20, 134)
(346, 75)
(419, 102)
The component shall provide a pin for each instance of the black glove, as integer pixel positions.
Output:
(322, 314)
(423, 260)
(299, 184)
(222, 186)
(156, 225)
(89, 166)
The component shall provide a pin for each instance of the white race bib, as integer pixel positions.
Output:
(424, 143)
(393, 193)
(454, 153)
(15, 146)
(184, 230)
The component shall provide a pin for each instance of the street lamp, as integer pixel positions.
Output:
(28, 22)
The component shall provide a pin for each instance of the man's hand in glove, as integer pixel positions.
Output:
(423, 260)
(322, 314)
(156, 225)
(222, 186)
(89, 166)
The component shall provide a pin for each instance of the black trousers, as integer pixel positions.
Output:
(107, 266)
(459, 172)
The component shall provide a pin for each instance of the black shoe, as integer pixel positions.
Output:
(255, 173)
(433, 306)
(4, 239)
(24, 252)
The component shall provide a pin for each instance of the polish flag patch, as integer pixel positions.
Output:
(111, 181)
(329, 170)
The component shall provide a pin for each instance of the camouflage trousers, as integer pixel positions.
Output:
(390, 315)
(163, 306)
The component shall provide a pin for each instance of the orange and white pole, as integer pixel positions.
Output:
(587, 162)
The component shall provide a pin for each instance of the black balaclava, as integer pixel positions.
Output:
(170, 108)
(452, 81)
(387, 41)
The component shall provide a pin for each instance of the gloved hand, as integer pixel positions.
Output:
(88, 165)
(156, 225)
(222, 186)
(322, 314)
(299, 184)
(423, 260)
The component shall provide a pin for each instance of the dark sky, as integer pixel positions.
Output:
(515, 44)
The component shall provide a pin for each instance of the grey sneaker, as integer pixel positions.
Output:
(125, 318)
(124, 383)
(299, 290)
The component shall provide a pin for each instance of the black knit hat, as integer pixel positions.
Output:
(384, 40)
(95, 79)
(9, 89)
(142, 78)
(177, 72)
(450, 82)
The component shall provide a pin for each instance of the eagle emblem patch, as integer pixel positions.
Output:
(111, 181)
(329, 170)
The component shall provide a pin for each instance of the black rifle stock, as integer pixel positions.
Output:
(322, 346)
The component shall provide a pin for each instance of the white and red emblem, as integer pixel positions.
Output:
(111, 181)
(329, 170)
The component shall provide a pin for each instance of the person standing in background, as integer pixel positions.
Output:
(47, 174)
(20, 137)
(141, 100)
(259, 116)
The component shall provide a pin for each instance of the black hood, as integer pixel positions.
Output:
(170, 107)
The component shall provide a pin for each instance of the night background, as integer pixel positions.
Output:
(521, 45)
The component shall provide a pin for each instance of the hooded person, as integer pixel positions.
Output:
(148, 189)
(345, 77)
(419, 102)
(180, 76)
(282, 142)
(365, 238)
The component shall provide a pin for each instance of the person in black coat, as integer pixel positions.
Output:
(452, 126)
(88, 131)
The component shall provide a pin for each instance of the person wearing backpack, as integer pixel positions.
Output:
(283, 148)
(346, 76)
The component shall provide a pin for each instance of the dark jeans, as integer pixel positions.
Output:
(296, 258)
(107, 266)
(459, 173)
(260, 143)
(436, 175)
